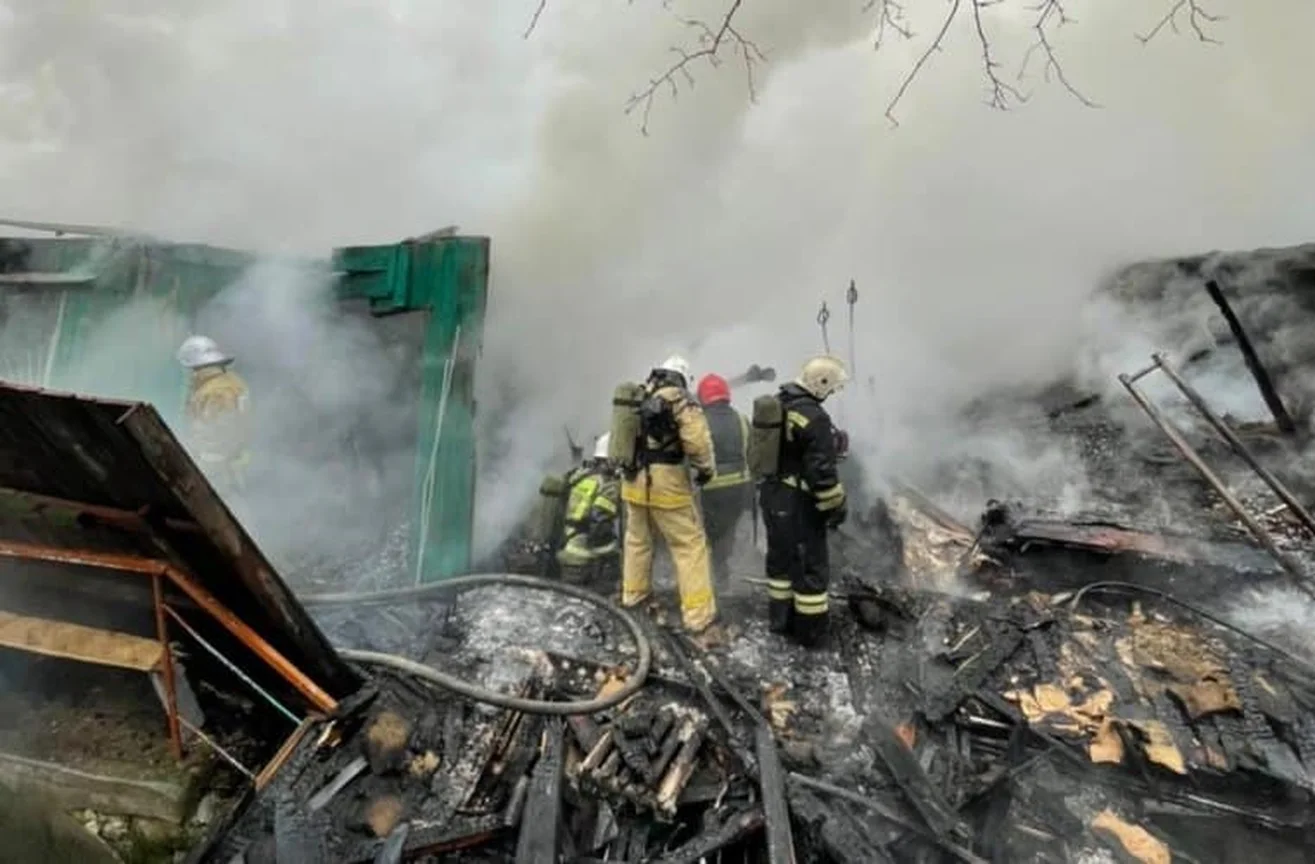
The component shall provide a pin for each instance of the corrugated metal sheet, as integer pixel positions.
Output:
(121, 455)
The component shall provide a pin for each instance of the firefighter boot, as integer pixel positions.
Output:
(811, 630)
(780, 614)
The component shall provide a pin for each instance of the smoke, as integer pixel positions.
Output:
(975, 237)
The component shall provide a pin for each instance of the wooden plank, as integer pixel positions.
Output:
(76, 642)
(537, 843)
(776, 810)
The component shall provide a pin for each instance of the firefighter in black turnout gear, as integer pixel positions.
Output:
(800, 501)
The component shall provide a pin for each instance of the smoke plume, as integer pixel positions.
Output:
(974, 236)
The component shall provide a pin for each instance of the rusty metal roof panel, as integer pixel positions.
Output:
(109, 476)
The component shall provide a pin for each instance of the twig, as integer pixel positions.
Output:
(534, 22)
(1197, 18)
(890, 16)
(1001, 92)
(1045, 10)
(922, 61)
(712, 41)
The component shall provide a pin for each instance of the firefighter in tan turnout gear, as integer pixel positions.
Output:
(657, 428)
(801, 498)
(216, 413)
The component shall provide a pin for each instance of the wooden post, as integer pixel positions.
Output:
(167, 670)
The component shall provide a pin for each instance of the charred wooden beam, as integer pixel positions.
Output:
(1267, 391)
(699, 677)
(776, 810)
(943, 700)
(537, 843)
(584, 730)
(740, 826)
(918, 788)
(676, 736)
(889, 814)
(673, 782)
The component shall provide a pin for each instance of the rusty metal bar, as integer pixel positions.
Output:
(167, 661)
(151, 567)
(1257, 369)
(1235, 442)
(1194, 459)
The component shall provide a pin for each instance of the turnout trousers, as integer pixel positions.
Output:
(723, 509)
(798, 564)
(682, 529)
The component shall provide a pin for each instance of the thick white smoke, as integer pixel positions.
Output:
(974, 236)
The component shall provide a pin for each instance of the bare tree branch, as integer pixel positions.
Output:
(922, 61)
(534, 22)
(1000, 93)
(1197, 18)
(1046, 11)
(890, 18)
(711, 41)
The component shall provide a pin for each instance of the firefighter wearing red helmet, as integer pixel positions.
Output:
(728, 496)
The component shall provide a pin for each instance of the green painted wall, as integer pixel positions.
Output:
(66, 328)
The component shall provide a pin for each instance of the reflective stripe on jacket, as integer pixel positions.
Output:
(730, 445)
(808, 454)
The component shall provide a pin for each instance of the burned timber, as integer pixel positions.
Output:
(1012, 684)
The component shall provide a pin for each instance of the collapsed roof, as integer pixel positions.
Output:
(96, 495)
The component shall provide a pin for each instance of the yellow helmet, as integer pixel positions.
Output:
(822, 376)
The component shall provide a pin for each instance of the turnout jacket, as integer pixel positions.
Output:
(668, 486)
(808, 449)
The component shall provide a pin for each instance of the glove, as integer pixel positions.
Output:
(835, 518)
(842, 443)
(702, 477)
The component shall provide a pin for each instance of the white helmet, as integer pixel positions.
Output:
(601, 444)
(822, 376)
(198, 351)
(679, 365)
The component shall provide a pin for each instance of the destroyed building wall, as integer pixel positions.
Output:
(361, 370)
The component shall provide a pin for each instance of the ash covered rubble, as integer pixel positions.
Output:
(1028, 683)
(965, 712)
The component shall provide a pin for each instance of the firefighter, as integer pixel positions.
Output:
(218, 425)
(660, 498)
(800, 502)
(593, 504)
(729, 494)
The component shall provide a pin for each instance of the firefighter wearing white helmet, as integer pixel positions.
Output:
(590, 539)
(659, 498)
(217, 416)
(800, 501)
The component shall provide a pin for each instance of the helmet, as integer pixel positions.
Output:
(198, 351)
(713, 388)
(822, 376)
(679, 365)
(601, 444)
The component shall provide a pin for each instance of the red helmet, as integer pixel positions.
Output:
(713, 388)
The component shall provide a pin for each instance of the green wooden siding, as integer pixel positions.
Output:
(62, 332)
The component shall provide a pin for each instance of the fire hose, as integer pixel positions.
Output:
(644, 651)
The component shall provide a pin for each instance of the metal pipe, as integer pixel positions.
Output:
(1141, 373)
(1194, 459)
(203, 598)
(228, 757)
(167, 661)
(296, 721)
(1235, 442)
